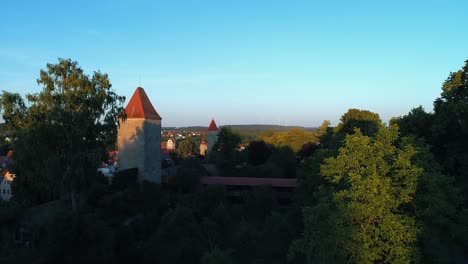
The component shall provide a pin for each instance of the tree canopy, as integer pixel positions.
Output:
(188, 147)
(367, 183)
(64, 132)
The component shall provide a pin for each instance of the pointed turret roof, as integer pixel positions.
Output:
(212, 126)
(140, 106)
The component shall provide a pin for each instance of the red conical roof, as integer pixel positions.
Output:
(212, 126)
(140, 106)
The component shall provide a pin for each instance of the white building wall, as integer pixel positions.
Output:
(5, 187)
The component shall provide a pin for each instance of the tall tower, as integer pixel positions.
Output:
(212, 135)
(139, 138)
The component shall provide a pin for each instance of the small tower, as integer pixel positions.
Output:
(139, 138)
(212, 135)
(203, 148)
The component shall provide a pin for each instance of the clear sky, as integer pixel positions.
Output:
(244, 62)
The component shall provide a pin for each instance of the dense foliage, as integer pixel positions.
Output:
(63, 134)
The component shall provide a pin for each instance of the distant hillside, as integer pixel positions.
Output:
(273, 128)
(253, 127)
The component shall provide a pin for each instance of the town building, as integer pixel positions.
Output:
(171, 144)
(6, 178)
(203, 148)
(139, 138)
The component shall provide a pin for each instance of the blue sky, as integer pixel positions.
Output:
(244, 62)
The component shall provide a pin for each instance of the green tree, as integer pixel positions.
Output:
(187, 177)
(76, 116)
(38, 166)
(178, 239)
(417, 122)
(70, 239)
(284, 161)
(438, 208)
(368, 122)
(318, 242)
(225, 150)
(14, 111)
(275, 236)
(372, 180)
(187, 147)
(227, 143)
(450, 127)
(359, 203)
(259, 152)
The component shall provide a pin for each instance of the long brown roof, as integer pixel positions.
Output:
(245, 181)
(140, 106)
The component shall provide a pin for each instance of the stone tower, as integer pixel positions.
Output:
(212, 135)
(139, 138)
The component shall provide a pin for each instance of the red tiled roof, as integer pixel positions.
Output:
(212, 126)
(140, 106)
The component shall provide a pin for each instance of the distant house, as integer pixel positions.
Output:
(171, 144)
(108, 172)
(6, 178)
(113, 158)
(241, 147)
(165, 153)
(203, 148)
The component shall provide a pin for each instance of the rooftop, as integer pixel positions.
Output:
(140, 106)
(212, 126)
(245, 181)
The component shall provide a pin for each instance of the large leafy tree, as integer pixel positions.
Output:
(227, 143)
(178, 239)
(367, 121)
(373, 179)
(366, 185)
(187, 147)
(450, 127)
(417, 123)
(438, 208)
(259, 152)
(225, 150)
(68, 126)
